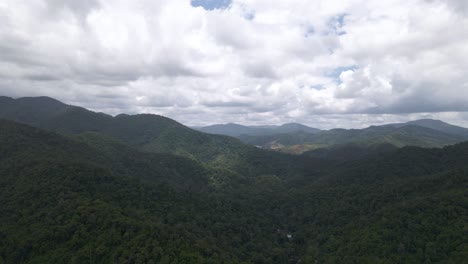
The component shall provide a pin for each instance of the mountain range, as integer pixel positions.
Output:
(144, 132)
(83, 187)
(155, 133)
(436, 125)
(236, 130)
(422, 133)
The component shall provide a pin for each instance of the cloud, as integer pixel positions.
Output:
(324, 63)
(460, 6)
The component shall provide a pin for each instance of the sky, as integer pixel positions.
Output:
(330, 63)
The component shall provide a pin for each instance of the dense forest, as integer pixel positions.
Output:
(83, 187)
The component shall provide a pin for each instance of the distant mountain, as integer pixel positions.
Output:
(294, 128)
(235, 130)
(399, 136)
(159, 134)
(297, 138)
(437, 125)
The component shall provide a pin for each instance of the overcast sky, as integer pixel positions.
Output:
(330, 63)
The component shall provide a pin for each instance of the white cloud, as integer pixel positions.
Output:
(325, 63)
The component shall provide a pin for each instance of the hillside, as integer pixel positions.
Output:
(149, 133)
(84, 199)
(158, 134)
(64, 201)
(350, 151)
(233, 132)
(399, 207)
(27, 143)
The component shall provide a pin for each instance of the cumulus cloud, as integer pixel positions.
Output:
(324, 63)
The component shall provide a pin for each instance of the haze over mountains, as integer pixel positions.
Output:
(436, 125)
(297, 138)
(167, 134)
(236, 130)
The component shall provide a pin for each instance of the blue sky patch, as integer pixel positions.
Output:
(317, 87)
(336, 23)
(211, 4)
(335, 73)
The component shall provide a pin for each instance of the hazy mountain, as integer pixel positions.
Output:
(297, 138)
(399, 136)
(159, 134)
(295, 127)
(235, 130)
(437, 125)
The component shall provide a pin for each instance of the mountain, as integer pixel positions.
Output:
(67, 200)
(296, 138)
(235, 130)
(159, 134)
(437, 125)
(89, 198)
(93, 148)
(149, 133)
(30, 109)
(294, 128)
(399, 136)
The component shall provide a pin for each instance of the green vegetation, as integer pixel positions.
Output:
(399, 136)
(145, 189)
(159, 134)
(65, 202)
(148, 133)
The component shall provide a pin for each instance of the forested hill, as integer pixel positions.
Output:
(90, 199)
(27, 144)
(147, 132)
(158, 134)
(409, 206)
(64, 201)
